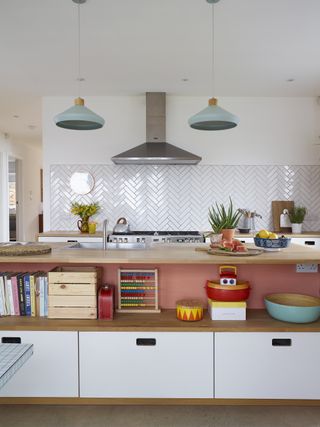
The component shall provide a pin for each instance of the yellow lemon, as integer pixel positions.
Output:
(273, 236)
(264, 234)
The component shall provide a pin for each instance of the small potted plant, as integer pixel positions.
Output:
(224, 220)
(85, 212)
(296, 216)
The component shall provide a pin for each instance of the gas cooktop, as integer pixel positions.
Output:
(151, 237)
(159, 233)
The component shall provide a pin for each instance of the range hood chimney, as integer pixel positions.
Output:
(156, 151)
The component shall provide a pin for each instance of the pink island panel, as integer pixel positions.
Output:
(188, 281)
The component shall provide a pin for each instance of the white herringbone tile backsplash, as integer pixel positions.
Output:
(178, 197)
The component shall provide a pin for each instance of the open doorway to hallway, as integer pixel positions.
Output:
(14, 193)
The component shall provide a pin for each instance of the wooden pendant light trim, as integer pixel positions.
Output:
(213, 101)
(79, 101)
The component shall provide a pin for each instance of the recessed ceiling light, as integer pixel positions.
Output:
(290, 80)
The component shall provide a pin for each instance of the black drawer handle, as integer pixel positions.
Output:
(309, 242)
(146, 341)
(72, 241)
(281, 342)
(11, 340)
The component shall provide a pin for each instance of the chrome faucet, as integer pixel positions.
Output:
(105, 233)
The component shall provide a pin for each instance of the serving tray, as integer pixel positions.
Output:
(250, 252)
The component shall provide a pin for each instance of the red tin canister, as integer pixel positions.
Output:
(106, 302)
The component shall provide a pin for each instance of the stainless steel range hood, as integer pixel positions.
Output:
(156, 151)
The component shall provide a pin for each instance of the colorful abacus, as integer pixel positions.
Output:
(138, 291)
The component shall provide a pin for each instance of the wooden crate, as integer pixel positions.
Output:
(72, 292)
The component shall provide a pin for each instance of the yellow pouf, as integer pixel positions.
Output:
(189, 310)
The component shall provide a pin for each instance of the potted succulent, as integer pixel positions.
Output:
(224, 220)
(296, 216)
(85, 212)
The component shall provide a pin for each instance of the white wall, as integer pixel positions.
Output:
(272, 131)
(31, 157)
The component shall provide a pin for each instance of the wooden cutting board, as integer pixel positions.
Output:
(277, 209)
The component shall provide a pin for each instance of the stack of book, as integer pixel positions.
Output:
(24, 294)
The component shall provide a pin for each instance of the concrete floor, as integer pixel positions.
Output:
(158, 416)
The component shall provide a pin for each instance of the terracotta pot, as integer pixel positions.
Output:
(228, 234)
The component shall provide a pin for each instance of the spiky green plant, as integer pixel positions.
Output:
(221, 218)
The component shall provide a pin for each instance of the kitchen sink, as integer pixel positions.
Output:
(110, 246)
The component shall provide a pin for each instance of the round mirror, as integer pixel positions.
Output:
(82, 182)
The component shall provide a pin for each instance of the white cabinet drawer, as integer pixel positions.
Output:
(252, 365)
(52, 370)
(160, 365)
(311, 242)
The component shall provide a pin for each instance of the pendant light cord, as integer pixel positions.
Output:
(79, 50)
(212, 52)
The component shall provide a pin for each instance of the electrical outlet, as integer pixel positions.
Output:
(306, 268)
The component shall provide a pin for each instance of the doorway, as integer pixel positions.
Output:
(14, 168)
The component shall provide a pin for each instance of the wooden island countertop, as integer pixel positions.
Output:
(258, 320)
(165, 254)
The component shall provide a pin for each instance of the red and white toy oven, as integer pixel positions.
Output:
(228, 275)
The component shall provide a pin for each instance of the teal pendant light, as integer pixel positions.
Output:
(79, 117)
(213, 117)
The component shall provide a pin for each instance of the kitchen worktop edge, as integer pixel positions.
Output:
(165, 254)
(257, 321)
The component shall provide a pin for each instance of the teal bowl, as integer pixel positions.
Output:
(295, 308)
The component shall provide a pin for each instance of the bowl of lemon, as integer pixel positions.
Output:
(270, 241)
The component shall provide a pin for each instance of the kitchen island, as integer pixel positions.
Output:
(166, 254)
(205, 362)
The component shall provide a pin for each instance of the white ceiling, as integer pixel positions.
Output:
(130, 47)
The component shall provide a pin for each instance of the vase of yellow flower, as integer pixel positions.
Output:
(85, 212)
